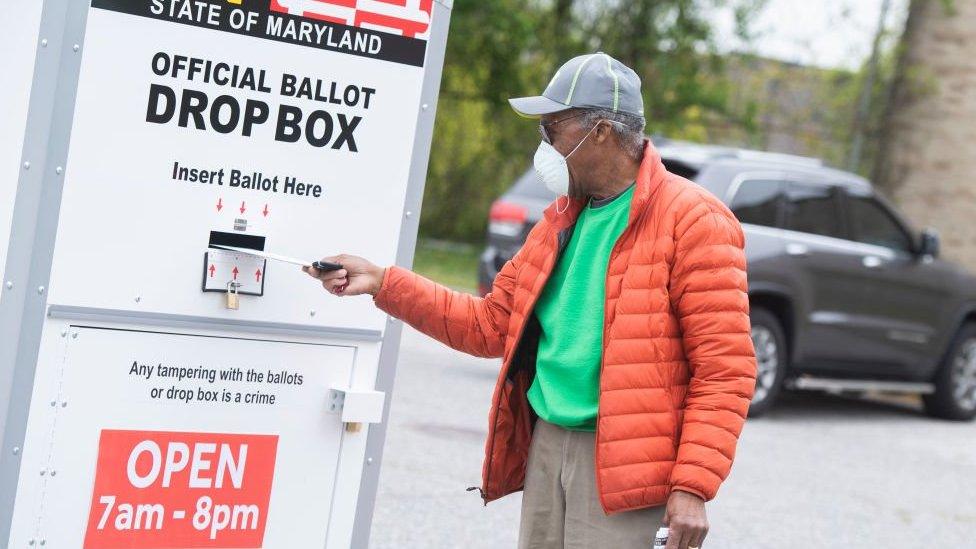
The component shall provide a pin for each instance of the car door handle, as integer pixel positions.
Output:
(800, 250)
(871, 261)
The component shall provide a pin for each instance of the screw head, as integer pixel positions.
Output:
(54, 403)
(74, 335)
(44, 43)
(311, 313)
(40, 289)
(425, 106)
(31, 541)
(26, 165)
(409, 213)
(138, 299)
(16, 450)
(59, 169)
(64, 403)
(53, 472)
(64, 333)
(43, 472)
(10, 284)
(43, 541)
(76, 47)
(369, 461)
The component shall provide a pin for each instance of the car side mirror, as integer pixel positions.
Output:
(929, 244)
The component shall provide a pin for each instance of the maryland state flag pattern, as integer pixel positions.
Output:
(409, 18)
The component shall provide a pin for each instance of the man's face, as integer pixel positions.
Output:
(566, 131)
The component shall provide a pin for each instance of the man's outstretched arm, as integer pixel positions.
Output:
(470, 324)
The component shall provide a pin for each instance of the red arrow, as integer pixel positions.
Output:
(257, 275)
(212, 269)
(242, 207)
(220, 203)
(235, 271)
(265, 212)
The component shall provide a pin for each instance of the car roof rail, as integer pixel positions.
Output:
(782, 158)
(699, 153)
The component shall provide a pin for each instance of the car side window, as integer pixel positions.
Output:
(758, 202)
(813, 209)
(872, 224)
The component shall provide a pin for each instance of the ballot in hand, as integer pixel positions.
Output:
(357, 276)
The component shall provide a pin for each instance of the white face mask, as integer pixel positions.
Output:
(552, 166)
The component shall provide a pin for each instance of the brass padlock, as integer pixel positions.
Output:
(233, 298)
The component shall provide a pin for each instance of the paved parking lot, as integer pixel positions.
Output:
(818, 472)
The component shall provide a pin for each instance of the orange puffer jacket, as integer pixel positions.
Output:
(678, 367)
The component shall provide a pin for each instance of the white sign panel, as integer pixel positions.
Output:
(163, 440)
(245, 120)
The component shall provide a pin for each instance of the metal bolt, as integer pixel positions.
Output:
(43, 472)
(31, 541)
(10, 284)
(59, 169)
(53, 472)
(40, 289)
(369, 461)
(409, 213)
(76, 47)
(311, 313)
(26, 165)
(138, 299)
(43, 541)
(54, 403)
(424, 106)
(16, 450)
(44, 43)
(64, 403)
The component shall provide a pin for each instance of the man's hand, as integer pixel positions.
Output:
(685, 519)
(357, 276)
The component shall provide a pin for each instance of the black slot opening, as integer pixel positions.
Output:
(237, 240)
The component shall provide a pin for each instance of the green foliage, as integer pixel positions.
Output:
(455, 265)
(508, 48)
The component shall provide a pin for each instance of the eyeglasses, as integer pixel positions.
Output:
(545, 132)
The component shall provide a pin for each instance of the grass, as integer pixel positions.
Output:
(449, 263)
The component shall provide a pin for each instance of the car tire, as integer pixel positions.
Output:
(955, 382)
(769, 341)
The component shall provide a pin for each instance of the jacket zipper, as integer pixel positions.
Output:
(518, 341)
(606, 333)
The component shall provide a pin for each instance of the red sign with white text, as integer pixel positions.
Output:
(157, 489)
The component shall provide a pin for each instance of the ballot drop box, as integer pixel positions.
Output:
(156, 391)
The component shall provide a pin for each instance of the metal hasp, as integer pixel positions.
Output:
(356, 407)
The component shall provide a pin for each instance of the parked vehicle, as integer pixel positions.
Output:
(844, 295)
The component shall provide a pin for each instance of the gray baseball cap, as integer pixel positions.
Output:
(594, 80)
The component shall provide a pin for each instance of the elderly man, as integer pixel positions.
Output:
(622, 323)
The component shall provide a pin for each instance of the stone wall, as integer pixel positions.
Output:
(928, 158)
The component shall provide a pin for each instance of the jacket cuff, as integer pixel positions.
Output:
(689, 490)
(385, 299)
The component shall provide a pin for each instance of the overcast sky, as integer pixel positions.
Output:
(826, 33)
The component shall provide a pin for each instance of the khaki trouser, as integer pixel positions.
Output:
(560, 505)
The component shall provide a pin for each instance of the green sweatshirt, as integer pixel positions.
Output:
(566, 388)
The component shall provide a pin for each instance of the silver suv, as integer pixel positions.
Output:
(844, 295)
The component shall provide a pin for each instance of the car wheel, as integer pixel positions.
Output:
(771, 359)
(955, 382)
